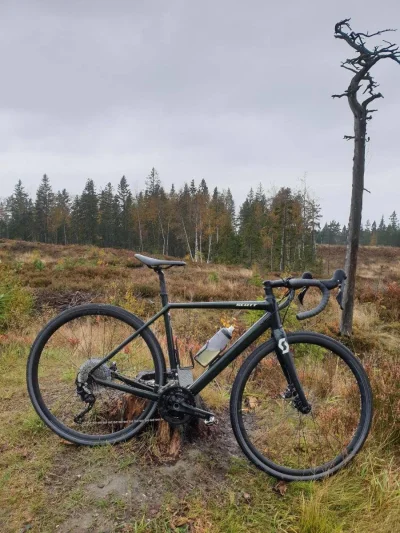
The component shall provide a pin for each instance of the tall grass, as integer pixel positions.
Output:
(43, 482)
(15, 301)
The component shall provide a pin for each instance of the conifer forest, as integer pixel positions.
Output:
(201, 223)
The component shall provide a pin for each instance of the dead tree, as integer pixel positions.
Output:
(362, 83)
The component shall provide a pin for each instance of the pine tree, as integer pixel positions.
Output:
(382, 237)
(374, 235)
(62, 216)
(44, 206)
(125, 202)
(153, 183)
(88, 213)
(4, 219)
(106, 217)
(20, 207)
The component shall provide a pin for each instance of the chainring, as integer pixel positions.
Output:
(170, 399)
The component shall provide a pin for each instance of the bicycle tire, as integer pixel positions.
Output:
(244, 432)
(44, 339)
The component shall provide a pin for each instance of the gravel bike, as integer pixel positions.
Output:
(300, 405)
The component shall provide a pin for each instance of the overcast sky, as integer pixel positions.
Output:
(234, 92)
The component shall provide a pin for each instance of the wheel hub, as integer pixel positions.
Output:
(297, 404)
(171, 401)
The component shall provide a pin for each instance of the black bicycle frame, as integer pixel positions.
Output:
(271, 319)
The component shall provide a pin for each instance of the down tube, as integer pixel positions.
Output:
(234, 351)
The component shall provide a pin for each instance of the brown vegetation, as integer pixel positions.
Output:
(45, 483)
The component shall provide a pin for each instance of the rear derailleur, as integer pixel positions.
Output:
(86, 396)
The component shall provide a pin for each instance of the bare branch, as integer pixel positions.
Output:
(371, 99)
(348, 137)
(368, 35)
(343, 65)
(361, 65)
(372, 84)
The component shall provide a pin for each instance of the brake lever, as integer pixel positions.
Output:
(303, 292)
(339, 296)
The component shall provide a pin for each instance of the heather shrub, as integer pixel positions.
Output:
(15, 301)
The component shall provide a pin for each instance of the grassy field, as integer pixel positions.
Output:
(205, 485)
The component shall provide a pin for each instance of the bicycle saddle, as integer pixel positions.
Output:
(151, 262)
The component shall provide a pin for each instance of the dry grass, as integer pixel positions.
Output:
(44, 482)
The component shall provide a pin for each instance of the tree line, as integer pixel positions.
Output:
(374, 234)
(279, 229)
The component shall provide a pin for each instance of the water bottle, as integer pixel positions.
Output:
(214, 346)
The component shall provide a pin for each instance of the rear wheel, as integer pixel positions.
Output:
(272, 431)
(64, 353)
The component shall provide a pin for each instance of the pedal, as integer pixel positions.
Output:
(210, 421)
(185, 377)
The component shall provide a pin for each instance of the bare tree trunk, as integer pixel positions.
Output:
(200, 241)
(167, 245)
(361, 65)
(187, 240)
(353, 240)
(272, 253)
(209, 248)
(140, 234)
(282, 259)
(313, 243)
(162, 233)
(196, 245)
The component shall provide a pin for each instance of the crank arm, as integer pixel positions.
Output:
(190, 410)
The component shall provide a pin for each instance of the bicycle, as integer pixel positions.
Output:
(300, 405)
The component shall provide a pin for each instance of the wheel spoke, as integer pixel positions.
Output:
(284, 436)
(74, 347)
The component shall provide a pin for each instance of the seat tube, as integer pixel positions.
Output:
(167, 321)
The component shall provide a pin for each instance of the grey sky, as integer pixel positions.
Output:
(235, 92)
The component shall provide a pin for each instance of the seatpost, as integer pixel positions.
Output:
(167, 320)
(163, 287)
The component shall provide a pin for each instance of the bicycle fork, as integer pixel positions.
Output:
(286, 360)
(285, 357)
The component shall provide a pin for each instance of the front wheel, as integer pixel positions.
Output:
(272, 431)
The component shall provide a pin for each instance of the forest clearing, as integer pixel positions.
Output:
(162, 483)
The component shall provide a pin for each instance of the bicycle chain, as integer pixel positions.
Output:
(143, 382)
(122, 422)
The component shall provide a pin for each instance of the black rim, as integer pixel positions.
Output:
(340, 459)
(50, 419)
